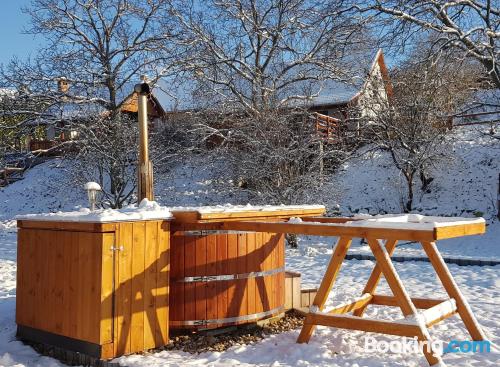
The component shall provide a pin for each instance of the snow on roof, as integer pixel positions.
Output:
(178, 94)
(334, 93)
(146, 210)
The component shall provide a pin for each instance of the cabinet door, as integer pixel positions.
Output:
(61, 288)
(141, 294)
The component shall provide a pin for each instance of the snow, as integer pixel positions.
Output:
(409, 221)
(229, 208)
(431, 314)
(144, 211)
(466, 187)
(92, 186)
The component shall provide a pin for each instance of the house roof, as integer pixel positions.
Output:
(178, 95)
(335, 93)
(154, 105)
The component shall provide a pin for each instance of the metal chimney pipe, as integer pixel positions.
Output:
(145, 167)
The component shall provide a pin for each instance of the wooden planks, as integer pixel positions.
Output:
(104, 288)
(162, 291)
(142, 286)
(453, 291)
(60, 282)
(459, 230)
(192, 216)
(95, 227)
(362, 324)
(202, 295)
(330, 229)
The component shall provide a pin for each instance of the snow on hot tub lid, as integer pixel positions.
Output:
(230, 208)
(242, 211)
(146, 210)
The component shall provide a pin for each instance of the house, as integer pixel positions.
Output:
(156, 113)
(333, 103)
(57, 123)
(343, 105)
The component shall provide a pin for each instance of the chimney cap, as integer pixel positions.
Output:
(142, 88)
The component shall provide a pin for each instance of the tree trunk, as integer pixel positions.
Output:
(409, 202)
(291, 240)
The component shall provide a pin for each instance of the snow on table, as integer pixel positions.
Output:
(146, 210)
(399, 221)
(410, 221)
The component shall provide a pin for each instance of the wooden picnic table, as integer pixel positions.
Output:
(382, 234)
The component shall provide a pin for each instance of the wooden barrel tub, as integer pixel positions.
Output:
(221, 278)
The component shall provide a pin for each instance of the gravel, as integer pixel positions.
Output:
(199, 342)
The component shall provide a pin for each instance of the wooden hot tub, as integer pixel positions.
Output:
(220, 278)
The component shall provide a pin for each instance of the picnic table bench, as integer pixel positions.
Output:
(382, 234)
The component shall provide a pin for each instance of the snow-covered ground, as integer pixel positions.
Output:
(465, 186)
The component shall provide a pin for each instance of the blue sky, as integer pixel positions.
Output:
(12, 23)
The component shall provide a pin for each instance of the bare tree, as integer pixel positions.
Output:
(258, 55)
(93, 55)
(413, 126)
(277, 158)
(99, 47)
(470, 27)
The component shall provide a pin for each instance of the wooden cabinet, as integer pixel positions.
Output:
(96, 288)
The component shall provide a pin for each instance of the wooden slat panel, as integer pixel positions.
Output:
(282, 265)
(259, 282)
(163, 276)
(252, 265)
(269, 301)
(107, 277)
(211, 260)
(67, 226)
(73, 285)
(177, 288)
(232, 255)
(137, 297)
(44, 255)
(190, 270)
(222, 268)
(56, 285)
(89, 280)
(59, 271)
(241, 284)
(200, 270)
(151, 252)
(67, 297)
(22, 275)
(123, 292)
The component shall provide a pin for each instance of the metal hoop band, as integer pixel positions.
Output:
(215, 278)
(227, 320)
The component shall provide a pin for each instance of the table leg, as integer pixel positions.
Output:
(453, 291)
(374, 278)
(402, 297)
(326, 285)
